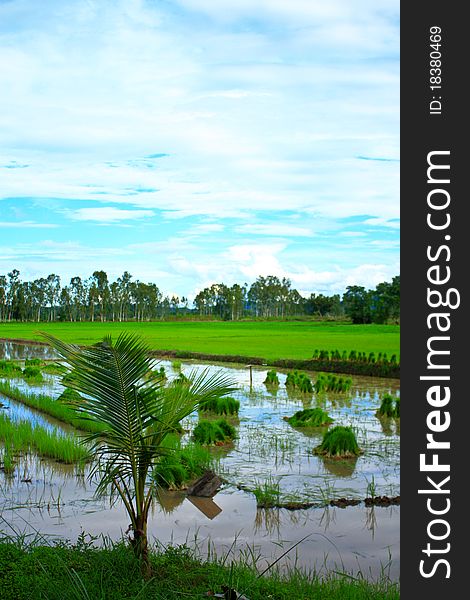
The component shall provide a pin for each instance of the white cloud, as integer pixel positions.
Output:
(382, 222)
(261, 107)
(108, 214)
(274, 230)
(27, 225)
(206, 228)
(253, 260)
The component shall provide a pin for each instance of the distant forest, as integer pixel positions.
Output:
(127, 299)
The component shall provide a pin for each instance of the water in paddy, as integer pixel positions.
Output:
(59, 501)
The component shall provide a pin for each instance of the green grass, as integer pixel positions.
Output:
(271, 340)
(22, 436)
(82, 572)
(50, 406)
(7, 462)
(267, 493)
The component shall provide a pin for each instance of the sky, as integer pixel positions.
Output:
(192, 142)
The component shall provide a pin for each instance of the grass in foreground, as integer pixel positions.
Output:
(66, 572)
(271, 340)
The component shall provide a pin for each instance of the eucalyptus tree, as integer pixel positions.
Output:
(40, 288)
(124, 294)
(114, 300)
(3, 297)
(79, 293)
(137, 413)
(237, 298)
(66, 304)
(13, 286)
(52, 293)
(268, 296)
(174, 303)
(101, 285)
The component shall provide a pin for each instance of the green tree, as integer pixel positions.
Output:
(13, 285)
(3, 297)
(101, 286)
(357, 304)
(124, 294)
(138, 413)
(79, 294)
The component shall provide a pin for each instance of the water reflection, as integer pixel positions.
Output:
(54, 498)
(17, 351)
(340, 467)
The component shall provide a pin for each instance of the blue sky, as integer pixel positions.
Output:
(194, 141)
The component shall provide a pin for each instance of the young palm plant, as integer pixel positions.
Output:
(137, 411)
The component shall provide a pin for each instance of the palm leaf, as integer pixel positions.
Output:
(137, 412)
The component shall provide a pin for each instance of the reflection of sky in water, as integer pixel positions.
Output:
(268, 447)
(61, 503)
(15, 351)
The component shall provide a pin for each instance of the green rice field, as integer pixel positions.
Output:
(266, 339)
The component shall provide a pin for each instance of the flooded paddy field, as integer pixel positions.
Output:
(58, 500)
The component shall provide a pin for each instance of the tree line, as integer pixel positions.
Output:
(99, 299)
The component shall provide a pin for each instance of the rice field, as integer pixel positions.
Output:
(270, 463)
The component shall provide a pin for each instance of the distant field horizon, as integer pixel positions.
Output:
(265, 339)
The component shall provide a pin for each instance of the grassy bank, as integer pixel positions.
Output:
(83, 572)
(49, 406)
(21, 437)
(271, 340)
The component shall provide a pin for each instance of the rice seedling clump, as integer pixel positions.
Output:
(69, 396)
(339, 442)
(32, 362)
(30, 373)
(209, 433)
(271, 378)
(299, 381)
(220, 406)
(332, 383)
(182, 465)
(310, 417)
(10, 369)
(390, 407)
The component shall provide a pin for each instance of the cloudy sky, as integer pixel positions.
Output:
(198, 141)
